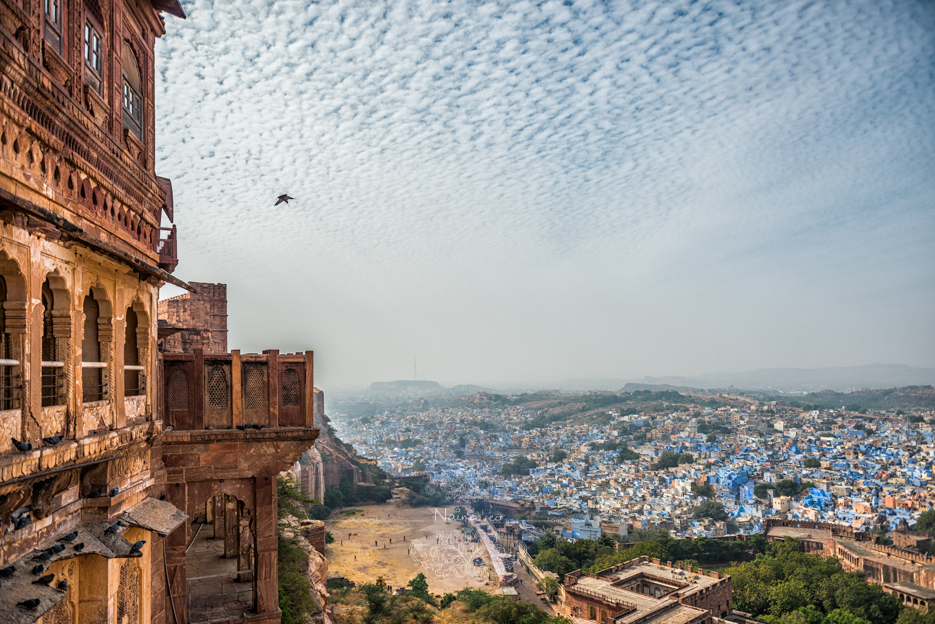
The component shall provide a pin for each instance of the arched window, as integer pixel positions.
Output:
(93, 371)
(132, 93)
(9, 366)
(53, 366)
(133, 378)
(592, 612)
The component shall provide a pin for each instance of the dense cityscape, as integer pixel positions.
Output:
(629, 468)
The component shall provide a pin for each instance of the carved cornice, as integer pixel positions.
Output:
(76, 132)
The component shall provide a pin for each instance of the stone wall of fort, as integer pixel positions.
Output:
(202, 316)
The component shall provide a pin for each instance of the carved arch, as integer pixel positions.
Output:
(12, 343)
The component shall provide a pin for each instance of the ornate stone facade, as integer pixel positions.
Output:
(93, 487)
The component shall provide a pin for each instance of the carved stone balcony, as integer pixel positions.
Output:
(167, 247)
(233, 423)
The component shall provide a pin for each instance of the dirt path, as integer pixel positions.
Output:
(362, 550)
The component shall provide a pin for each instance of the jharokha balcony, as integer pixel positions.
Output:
(233, 423)
(167, 248)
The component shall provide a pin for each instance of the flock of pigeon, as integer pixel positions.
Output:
(45, 555)
(23, 520)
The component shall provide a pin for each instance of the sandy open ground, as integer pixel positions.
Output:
(430, 548)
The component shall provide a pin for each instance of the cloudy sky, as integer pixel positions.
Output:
(537, 191)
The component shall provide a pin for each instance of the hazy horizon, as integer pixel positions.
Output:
(517, 192)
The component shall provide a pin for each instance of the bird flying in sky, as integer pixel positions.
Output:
(283, 199)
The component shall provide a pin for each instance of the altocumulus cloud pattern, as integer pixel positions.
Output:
(651, 186)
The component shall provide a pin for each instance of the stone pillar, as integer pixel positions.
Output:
(273, 379)
(176, 543)
(309, 389)
(218, 515)
(245, 543)
(231, 526)
(267, 574)
(198, 419)
(236, 390)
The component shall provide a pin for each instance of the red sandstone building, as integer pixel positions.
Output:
(647, 592)
(148, 495)
(905, 568)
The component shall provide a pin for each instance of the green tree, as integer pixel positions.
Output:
(751, 581)
(503, 610)
(420, 588)
(418, 466)
(701, 490)
(519, 466)
(319, 512)
(711, 439)
(926, 523)
(447, 599)
(551, 560)
(334, 498)
(844, 617)
(378, 600)
(548, 540)
(811, 462)
(760, 490)
(651, 549)
(914, 616)
(549, 586)
(653, 533)
(787, 596)
(625, 453)
(329, 538)
(668, 459)
(559, 456)
(852, 593)
(291, 500)
(710, 509)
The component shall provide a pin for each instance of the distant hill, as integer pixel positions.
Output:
(889, 398)
(784, 380)
(631, 387)
(423, 388)
(393, 387)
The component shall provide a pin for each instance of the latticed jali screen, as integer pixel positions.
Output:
(291, 388)
(127, 600)
(255, 393)
(177, 389)
(217, 395)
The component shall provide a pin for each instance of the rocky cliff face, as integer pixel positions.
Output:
(318, 578)
(329, 463)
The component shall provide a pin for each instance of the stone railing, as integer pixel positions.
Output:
(234, 391)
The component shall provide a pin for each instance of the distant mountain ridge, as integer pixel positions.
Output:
(403, 385)
(838, 378)
(423, 388)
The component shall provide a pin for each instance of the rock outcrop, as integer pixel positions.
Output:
(318, 578)
(330, 463)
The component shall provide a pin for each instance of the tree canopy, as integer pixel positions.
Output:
(786, 581)
(710, 509)
(519, 466)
